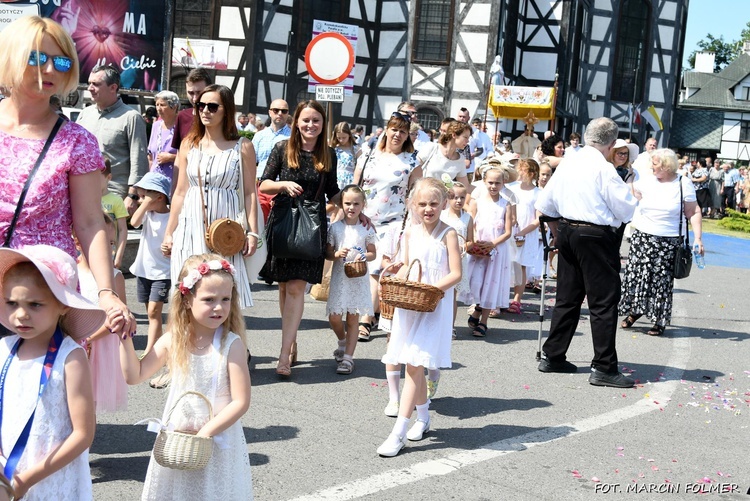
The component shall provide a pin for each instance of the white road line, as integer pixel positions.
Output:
(660, 391)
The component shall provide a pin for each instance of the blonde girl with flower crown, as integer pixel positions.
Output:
(205, 354)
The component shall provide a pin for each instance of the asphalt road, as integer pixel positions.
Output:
(501, 429)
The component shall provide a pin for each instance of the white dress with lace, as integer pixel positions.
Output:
(51, 424)
(461, 225)
(227, 475)
(424, 339)
(349, 295)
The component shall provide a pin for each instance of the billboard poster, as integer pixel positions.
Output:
(126, 33)
(192, 53)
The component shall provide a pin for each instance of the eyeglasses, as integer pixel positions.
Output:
(212, 107)
(400, 116)
(622, 153)
(283, 111)
(63, 64)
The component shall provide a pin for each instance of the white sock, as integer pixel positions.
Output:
(348, 357)
(394, 379)
(433, 374)
(400, 427)
(342, 344)
(423, 412)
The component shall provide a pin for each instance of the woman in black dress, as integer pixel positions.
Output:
(295, 169)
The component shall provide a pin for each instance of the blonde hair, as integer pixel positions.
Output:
(668, 159)
(430, 184)
(180, 319)
(25, 35)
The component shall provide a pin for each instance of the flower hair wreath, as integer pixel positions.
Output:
(204, 268)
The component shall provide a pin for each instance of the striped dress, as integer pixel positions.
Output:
(220, 176)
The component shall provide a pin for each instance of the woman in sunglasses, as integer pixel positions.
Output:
(40, 206)
(385, 175)
(209, 163)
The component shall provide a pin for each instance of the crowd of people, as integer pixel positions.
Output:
(466, 207)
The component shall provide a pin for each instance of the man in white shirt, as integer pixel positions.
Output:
(642, 164)
(481, 140)
(575, 144)
(592, 201)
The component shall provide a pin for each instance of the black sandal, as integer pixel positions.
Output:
(629, 321)
(474, 321)
(480, 330)
(656, 330)
(364, 331)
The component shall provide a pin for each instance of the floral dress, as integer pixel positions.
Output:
(345, 160)
(284, 270)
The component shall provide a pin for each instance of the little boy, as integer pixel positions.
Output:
(114, 207)
(151, 267)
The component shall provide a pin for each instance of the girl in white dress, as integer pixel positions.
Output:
(489, 275)
(46, 379)
(349, 240)
(423, 340)
(527, 224)
(205, 354)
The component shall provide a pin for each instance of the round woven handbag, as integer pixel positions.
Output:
(183, 451)
(225, 236)
(408, 295)
(354, 269)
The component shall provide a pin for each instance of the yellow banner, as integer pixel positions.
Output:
(517, 102)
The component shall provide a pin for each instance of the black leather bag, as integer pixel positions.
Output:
(683, 258)
(295, 228)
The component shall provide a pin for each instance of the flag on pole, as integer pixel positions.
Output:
(652, 117)
(634, 115)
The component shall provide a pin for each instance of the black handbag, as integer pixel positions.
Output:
(295, 228)
(683, 258)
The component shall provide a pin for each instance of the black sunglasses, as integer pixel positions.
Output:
(283, 111)
(401, 116)
(63, 64)
(408, 113)
(212, 107)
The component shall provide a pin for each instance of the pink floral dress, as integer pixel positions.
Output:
(46, 217)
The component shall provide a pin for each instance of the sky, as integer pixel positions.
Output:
(718, 17)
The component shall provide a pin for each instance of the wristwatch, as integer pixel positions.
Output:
(133, 196)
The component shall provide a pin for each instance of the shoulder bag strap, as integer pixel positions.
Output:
(362, 172)
(26, 187)
(241, 188)
(682, 214)
(200, 190)
(323, 176)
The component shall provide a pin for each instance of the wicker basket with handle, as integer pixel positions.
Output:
(409, 295)
(354, 269)
(183, 451)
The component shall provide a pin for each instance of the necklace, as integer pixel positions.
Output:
(195, 345)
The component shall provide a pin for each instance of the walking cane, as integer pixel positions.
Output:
(547, 249)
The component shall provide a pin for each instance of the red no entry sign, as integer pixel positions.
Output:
(329, 58)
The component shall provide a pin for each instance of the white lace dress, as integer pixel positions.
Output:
(227, 475)
(528, 254)
(220, 175)
(51, 423)
(461, 225)
(424, 339)
(349, 295)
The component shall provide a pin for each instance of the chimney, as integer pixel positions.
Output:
(704, 62)
(746, 47)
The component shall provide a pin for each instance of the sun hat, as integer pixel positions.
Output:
(632, 149)
(505, 167)
(61, 275)
(155, 182)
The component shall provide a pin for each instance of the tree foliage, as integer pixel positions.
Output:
(725, 52)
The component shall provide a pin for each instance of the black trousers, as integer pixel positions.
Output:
(727, 198)
(588, 265)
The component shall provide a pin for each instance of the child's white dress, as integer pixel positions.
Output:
(489, 277)
(349, 295)
(424, 339)
(51, 424)
(461, 225)
(528, 254)
(227, 475)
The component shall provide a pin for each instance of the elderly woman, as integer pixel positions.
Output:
(649, 278)
(715, 181)
(161, 155)
(64, 195)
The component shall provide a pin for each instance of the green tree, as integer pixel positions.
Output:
(725, 52)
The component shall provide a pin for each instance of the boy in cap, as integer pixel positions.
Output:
(151, 266)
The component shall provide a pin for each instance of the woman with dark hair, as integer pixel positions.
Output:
(303, 167)
(699, 175)
(553, 149)
(209, 163)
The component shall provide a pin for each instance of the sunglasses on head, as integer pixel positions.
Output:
(63, 64)
(212, 107)
(401, 116)
(283, 111)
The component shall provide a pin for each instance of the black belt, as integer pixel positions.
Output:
(573, 222)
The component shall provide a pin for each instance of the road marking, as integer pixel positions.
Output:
(660, 391)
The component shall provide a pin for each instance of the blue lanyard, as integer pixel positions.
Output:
(49, 361)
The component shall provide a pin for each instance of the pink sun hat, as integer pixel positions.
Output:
(60, 272)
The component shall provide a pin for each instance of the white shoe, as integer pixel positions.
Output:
(418, 430)
(392, 445)
(391, 410)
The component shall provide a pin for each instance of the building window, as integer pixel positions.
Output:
(429, 118)
(745, 94)
(433, 32)
(633, 40)
(324, 10)
(193, 18)
(745, 131)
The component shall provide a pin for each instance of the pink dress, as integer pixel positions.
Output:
(46, 217)
(110, 388)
